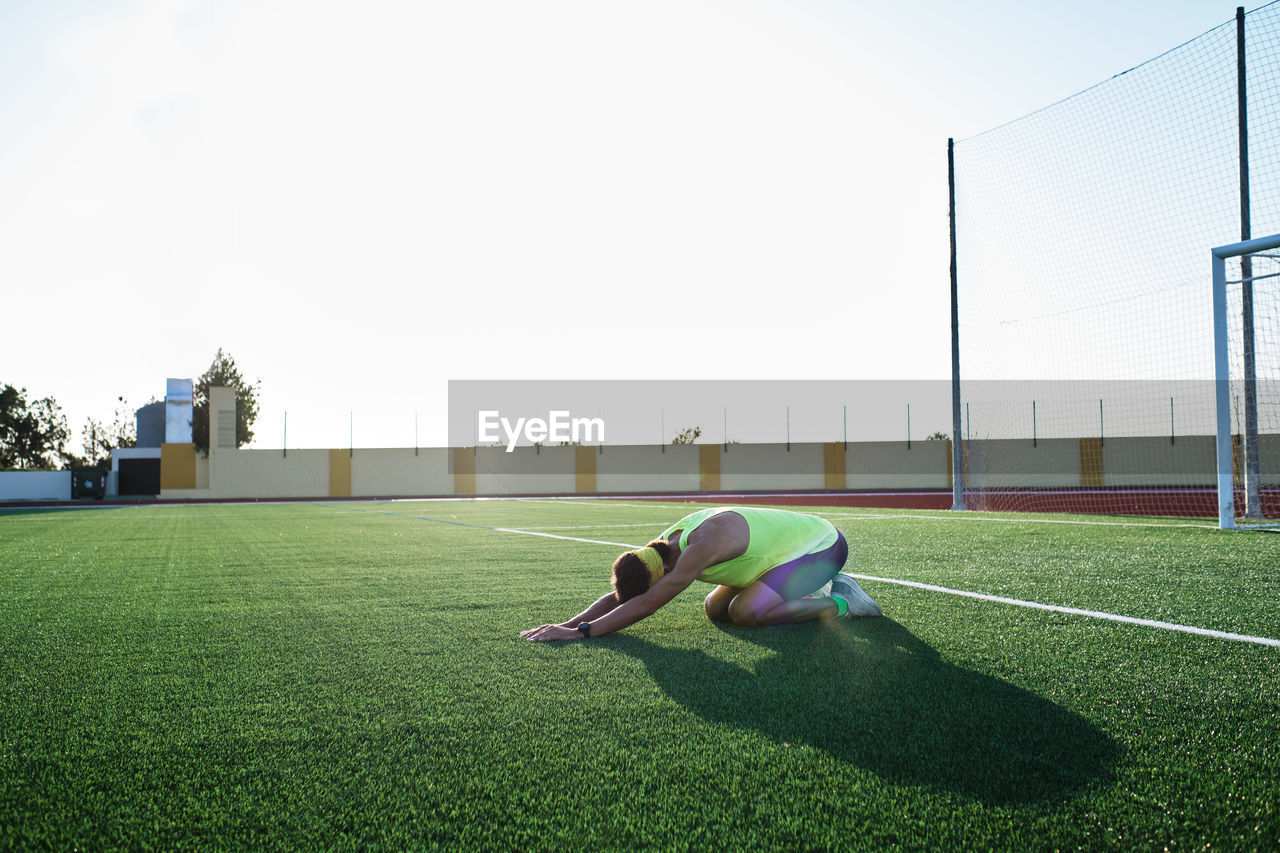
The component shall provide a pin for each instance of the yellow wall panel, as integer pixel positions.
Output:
(709, 464)
(177, 466)
(585, 468)
(464, 471)
(339, 473)
(1091, 461)
(833, 464)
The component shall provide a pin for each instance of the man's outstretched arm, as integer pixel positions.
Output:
(598, 608)
(691, 562)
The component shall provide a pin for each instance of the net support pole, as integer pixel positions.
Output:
(1222, 395)
(957, 453)
(1252, 463)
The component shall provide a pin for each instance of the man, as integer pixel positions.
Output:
(766, 564)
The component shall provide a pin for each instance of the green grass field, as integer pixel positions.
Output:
(339, 676)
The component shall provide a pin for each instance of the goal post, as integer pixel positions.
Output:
(1249, 458)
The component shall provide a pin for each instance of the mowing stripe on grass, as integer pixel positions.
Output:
(1075, 611)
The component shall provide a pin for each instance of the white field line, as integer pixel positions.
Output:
(1075, 611)
(567, 538)
(657, 525)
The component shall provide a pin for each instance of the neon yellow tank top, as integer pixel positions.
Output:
(777, 536)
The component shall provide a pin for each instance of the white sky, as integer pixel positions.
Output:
(361, 201)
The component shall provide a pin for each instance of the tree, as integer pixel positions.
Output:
(32, 434)
(223, 372)
(11, 406)
(687, 435)
(937, 436)
(100, 439)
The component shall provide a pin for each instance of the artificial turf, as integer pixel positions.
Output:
(343, 676)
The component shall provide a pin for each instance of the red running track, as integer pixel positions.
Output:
(1177, 502)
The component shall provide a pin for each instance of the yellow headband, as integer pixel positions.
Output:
(652, 561)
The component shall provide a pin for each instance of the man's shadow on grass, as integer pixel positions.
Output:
(870, 692)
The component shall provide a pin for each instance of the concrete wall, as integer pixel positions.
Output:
(526, 470)
(1115, 462)
(389, 472)
(250, 474)
(892, 465)
(1188, 461)
(1016, 463)
(752, 467)
(631, 470)
(229, 473)
(268, 474)
(35, 485)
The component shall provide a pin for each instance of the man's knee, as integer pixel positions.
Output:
(716, 609)
(717, 605)
(742, 614)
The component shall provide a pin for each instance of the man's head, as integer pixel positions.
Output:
(634, 572)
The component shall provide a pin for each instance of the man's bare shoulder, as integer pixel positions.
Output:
(725, 529)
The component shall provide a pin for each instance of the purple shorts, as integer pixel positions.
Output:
(803, 575)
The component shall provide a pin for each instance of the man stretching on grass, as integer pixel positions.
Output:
(767, 564)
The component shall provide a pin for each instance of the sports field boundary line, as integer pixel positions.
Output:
(1076, 611)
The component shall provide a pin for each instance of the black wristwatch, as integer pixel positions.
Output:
(585, 629)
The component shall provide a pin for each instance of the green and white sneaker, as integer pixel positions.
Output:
(860, 604)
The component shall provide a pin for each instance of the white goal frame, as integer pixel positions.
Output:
(1222, 383)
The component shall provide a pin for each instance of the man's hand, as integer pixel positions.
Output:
(546, 633)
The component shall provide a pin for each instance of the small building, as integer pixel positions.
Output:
(136, 470)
